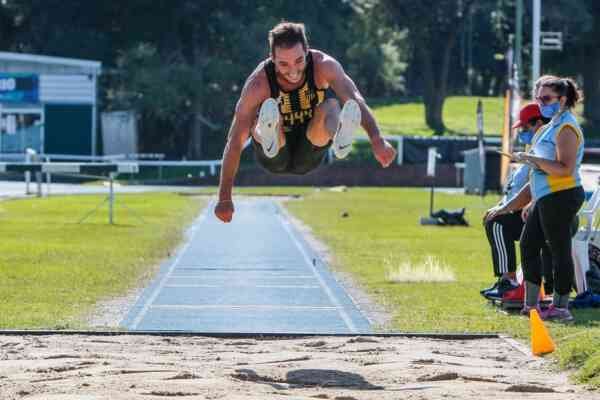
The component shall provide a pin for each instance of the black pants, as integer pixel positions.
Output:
(502, 233)
(299, 156)
(551, 222)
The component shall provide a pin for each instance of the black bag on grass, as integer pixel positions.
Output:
(452, 217)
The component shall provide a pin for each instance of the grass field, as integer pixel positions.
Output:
(382, 229)
(459, 115)
(53, 270)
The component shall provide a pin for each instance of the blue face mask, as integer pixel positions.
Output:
(525, 137)
(550, 110)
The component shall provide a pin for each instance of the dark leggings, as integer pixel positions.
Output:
(502, 232)
(550, 222)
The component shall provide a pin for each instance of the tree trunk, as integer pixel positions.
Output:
(433, 115)
(195, 149)
(196, 133)
(431, 95)
(435, 75)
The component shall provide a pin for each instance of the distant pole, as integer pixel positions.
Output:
(481, 144)
(535, 67)
(470, 52)
(518, 34)
(432, 154)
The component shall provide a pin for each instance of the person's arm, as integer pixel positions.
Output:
(243, 119)
(345, 89)
(519, 201)
(567, 142)
(516, 203)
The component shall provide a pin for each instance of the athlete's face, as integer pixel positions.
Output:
(290, 62)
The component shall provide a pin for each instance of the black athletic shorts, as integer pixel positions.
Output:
(299, 156)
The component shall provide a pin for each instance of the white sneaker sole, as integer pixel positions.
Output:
(350, 118)
(268, 127)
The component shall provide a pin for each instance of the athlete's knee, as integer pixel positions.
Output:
(318, 137)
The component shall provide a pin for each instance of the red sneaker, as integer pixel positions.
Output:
(514, 295)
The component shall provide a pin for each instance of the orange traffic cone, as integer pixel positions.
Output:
(541, 342)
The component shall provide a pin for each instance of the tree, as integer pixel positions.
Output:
(182, 63)
(433, 28)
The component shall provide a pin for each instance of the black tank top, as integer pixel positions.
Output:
(297, 106)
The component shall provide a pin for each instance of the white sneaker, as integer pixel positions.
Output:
(268, 127)
(349, 121)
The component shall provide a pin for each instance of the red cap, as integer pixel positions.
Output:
(529, 111)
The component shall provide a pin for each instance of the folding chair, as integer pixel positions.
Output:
(582, 239)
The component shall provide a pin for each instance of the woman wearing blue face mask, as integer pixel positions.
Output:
(503, 229)
(555, 187)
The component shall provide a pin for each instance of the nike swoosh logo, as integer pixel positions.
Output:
(270, 147)
(343, 147)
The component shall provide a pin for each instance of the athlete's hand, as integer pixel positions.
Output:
(224, 210)
(520, 157)
(383, 152)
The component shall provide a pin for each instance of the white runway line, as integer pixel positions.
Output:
(342, 312)
(165, 278)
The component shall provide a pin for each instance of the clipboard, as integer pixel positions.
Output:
(502, 153)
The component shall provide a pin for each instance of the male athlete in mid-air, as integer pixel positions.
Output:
(285, 107)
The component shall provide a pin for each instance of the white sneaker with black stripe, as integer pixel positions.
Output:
(349, 122)
(267, 127)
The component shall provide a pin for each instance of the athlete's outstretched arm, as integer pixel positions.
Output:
(345, 89)
(243, 119)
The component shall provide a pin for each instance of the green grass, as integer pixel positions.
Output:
(383, 225)
(53, 270)
(459, 116)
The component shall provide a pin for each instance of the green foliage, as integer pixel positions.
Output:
(182, 63)
(158, 88)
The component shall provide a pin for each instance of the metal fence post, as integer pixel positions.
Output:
(48, 179)
(28, 156)
(111, 197)
(38, 180)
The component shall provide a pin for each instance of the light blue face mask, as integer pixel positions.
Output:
(525, 137)
(550, 110)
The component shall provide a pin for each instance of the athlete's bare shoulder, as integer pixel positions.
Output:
(256, 89)
(327, 68)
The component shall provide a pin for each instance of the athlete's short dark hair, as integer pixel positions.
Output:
(287, 35)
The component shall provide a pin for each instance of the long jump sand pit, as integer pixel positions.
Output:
(78, 367)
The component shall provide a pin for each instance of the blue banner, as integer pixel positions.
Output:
(19, 88)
